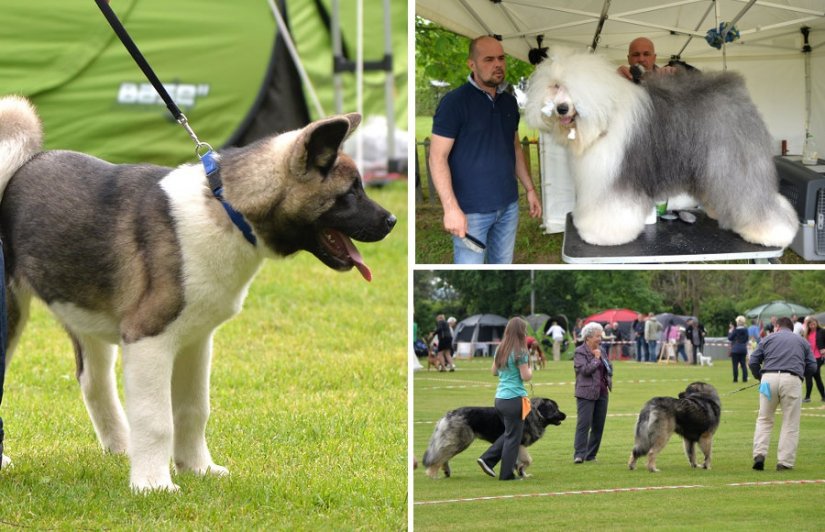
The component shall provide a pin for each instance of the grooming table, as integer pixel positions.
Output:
(668, 241)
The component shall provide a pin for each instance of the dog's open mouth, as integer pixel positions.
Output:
(568, 120)
(342, 249)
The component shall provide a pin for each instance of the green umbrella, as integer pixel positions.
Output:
(779, 309)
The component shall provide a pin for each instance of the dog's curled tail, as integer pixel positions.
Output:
(21, 136)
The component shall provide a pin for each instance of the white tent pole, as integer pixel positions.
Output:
(598, 35)
(389, 92)
(359, 82)
(699, 25)
(736, 18)
(337, 52)
(786, 7)
(724, 47)
(290, 45)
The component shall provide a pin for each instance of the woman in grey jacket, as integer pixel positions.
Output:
(594, 380)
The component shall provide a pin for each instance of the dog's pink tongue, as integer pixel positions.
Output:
(356, 257)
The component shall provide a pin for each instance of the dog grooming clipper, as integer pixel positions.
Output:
(473, 243)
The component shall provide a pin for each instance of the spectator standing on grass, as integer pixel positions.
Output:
(594, 381)
(652, 330)
(695, 333)
(476, 160)
(512, 366)
(738, 336)
(577, 332)
(798, 325)
(779, 363)
(753, 336)
(445, 344)
(816, 338)
(638, 328)
(557, 334)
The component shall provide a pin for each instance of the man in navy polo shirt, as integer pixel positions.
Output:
(475, 158)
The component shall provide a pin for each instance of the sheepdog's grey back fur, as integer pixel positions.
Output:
(697, 122)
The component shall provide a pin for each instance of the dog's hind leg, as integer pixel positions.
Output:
(147, 379)
(96, 375)
(690, 451)
(705, 443)
(658, 443)
(190, 406)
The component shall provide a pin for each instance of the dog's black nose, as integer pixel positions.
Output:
(391, 219)
(562, 109)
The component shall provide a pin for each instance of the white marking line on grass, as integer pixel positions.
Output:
(559, 493)
(476, 384)
(776, 482)
(617, 490)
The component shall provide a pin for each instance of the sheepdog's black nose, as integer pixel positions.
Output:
(562, 109)
(391, 219)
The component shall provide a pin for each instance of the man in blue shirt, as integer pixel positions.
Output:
(475, 158)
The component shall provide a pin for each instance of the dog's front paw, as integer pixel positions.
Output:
(6, 462)
(204, 470)
(146, 487)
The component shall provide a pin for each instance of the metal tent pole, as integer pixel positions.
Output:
(337, 51)
(393, 165)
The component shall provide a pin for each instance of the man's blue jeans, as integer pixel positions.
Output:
(497, 230)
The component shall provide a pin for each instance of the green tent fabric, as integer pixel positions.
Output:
(221, 62)
(93, 98)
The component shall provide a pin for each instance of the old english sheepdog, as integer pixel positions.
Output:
(631, 145)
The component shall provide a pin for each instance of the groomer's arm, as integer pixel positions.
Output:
(523, 174)
(455, 222)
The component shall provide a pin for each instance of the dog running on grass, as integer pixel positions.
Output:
(694, 416)
(460, 427)
(146, 257)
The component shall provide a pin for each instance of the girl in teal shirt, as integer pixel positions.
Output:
(512, 366)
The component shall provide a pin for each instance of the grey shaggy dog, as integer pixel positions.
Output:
(460, 427)
(633, 145)
(694, 416)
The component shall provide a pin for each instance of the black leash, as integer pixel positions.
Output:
(202, 149)
(757, 383)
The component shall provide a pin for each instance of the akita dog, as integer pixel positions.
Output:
(146, 257)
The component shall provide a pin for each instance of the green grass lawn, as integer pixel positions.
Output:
(677, 498)
(309, 403)
(533, 246)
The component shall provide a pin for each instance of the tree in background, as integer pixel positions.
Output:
(441, 56)
(716, 297)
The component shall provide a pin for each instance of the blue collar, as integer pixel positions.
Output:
(210, 165)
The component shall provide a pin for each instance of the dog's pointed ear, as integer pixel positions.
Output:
(318, 144)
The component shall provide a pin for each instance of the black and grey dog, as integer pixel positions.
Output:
(460, 427)
(694, 416)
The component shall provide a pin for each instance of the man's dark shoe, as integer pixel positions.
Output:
(484, 467)
(759, 463)
(783, 467)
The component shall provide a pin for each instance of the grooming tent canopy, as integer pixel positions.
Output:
(768, 51)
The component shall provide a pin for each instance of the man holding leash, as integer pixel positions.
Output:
(475, 158)
(780, 361)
